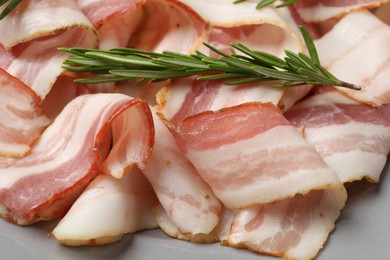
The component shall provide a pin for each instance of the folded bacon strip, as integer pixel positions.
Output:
(321, 10)
(352, 138)
(22, 120)
(362, 58)
(187, 200)
(108, 209)
(250, 154)
(64, 160)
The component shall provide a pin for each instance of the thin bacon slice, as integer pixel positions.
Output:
(38, 63)
(108, 209)
(22, 120)
(321, 10)
(34, 18)
(352, 138)
(188, 201)
(65, 159)
(295, 228)
(168, 26)
(250, 154)
(362, 58)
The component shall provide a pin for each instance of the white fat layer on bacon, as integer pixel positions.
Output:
(117, 31)
(354, 150)
(295, 228)
(129, 134)
(39, 64)
(108, 209)
(369, 41)
(51, 144)
(237, 159)
(21, 118)
(39, 18)
(320, 12)
(187, 199)
(219, 234)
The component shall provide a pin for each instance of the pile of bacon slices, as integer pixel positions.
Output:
(248, 166)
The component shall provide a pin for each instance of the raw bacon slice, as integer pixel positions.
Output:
(34, 18)
(369, 41)
(186, 97)
(64, 160)
(168, 26)
(321, 10)
(295, 228)
(188, 201)
(352, 138)
(250, 154)
(108, 209)
(219, 234)
(38, 63)
(98, 11)
(22, 120)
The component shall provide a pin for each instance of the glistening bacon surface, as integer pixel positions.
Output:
(362, 58)
(295, 228)
(250, 154)
(353, 138)
(127, 200)
(21, 116)
(187, 200)
(321, 10)
(64, 160)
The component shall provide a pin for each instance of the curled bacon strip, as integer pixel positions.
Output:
(66, 157)
(22, 120)
(128, 201)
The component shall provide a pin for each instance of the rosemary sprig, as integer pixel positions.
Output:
(264, 3)
(243, 65)
(11, 6)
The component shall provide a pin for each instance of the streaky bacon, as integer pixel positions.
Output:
(352, 138)
(22, 120)
(250, 154)
(295, 228)
(65, 159)
(98, 11)
(187, 200)
(89, 221)
(38, 63)
(186, 97)
(35, 18)
(343, 55)
(322, 10)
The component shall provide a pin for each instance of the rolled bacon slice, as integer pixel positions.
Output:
(22, 120)
(352, 138)
(43, 184)
(321, 10)
(187, 200)
(295, 228)
(108, 209)
(250, 154)
(368, 40)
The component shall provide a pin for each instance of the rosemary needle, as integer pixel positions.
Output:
(11, 6)
(243, 65)
(264, 3)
